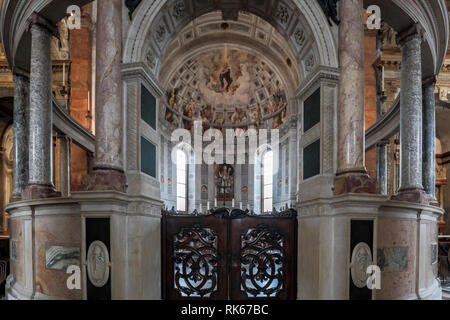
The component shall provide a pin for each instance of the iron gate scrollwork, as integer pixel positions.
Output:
(195, 262)
(262, 260)
(229, 255)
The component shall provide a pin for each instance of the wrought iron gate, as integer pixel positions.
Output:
(227, 255)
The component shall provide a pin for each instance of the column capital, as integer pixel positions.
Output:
(20, 72)
(37, 20)
(414, 31)
(430, 81)
(382, 143)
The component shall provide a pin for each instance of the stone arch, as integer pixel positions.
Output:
(293, 13)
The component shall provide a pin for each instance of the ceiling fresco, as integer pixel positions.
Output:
(226, 87)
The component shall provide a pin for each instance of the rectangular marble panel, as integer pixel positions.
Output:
(60, 258)
(393, 259)
(13, 249)
(434, 253)
(148, 107)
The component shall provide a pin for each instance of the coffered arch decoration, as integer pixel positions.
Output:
(301, 22)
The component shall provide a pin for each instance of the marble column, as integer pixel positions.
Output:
(429, 138)
(64, 164)
(40, 180)
(20, 115)
(381, 110)
(108, 171)
(352, 175)
(382, 166)
(411, 188)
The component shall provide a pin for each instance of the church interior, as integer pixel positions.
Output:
(224, 149)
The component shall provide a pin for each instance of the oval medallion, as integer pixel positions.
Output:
(98, 264)
(361, 259)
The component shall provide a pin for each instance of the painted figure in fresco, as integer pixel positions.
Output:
(256, 117)
(225, 78)
(188, 112)
(235, 116)
(219, 120)
(279, 100)
(206, 114)
(213, 84)
(172, 99)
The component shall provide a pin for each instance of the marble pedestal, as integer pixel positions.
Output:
(38, 191)
(404, 238)
(103, 180)
(354, 183)
(135, 248)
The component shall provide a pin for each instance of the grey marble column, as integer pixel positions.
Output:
(382, 166)
(21, 119)
(429, 138)
(381, 110)
(352, 176)
(108, 159)
(40, 180)
(64, 165)
(411, 188)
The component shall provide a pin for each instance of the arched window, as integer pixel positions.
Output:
(181, 181)
(267, 181)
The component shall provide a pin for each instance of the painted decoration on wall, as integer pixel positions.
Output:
(226, 87)
(225, 182)
(98, 264)
(204, 188)
(60, 258)
(244, 189)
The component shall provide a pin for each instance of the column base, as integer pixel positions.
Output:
(412, 195)
(105, 180)
(39, 191)
(354, 183)
(15, 197)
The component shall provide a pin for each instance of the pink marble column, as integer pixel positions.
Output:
(108, 171)
(351, 176)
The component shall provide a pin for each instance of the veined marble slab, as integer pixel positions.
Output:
(60, 258)
(393, 259)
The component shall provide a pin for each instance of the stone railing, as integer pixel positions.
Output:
(64, 123)
(385, 127)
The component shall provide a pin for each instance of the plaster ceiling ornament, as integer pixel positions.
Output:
(160, 33)
(282, 14)
(132, 5)
(361, 259)
(179, 10)
(98, 264)
(151, 60)
(300, 37)
(309, 63)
